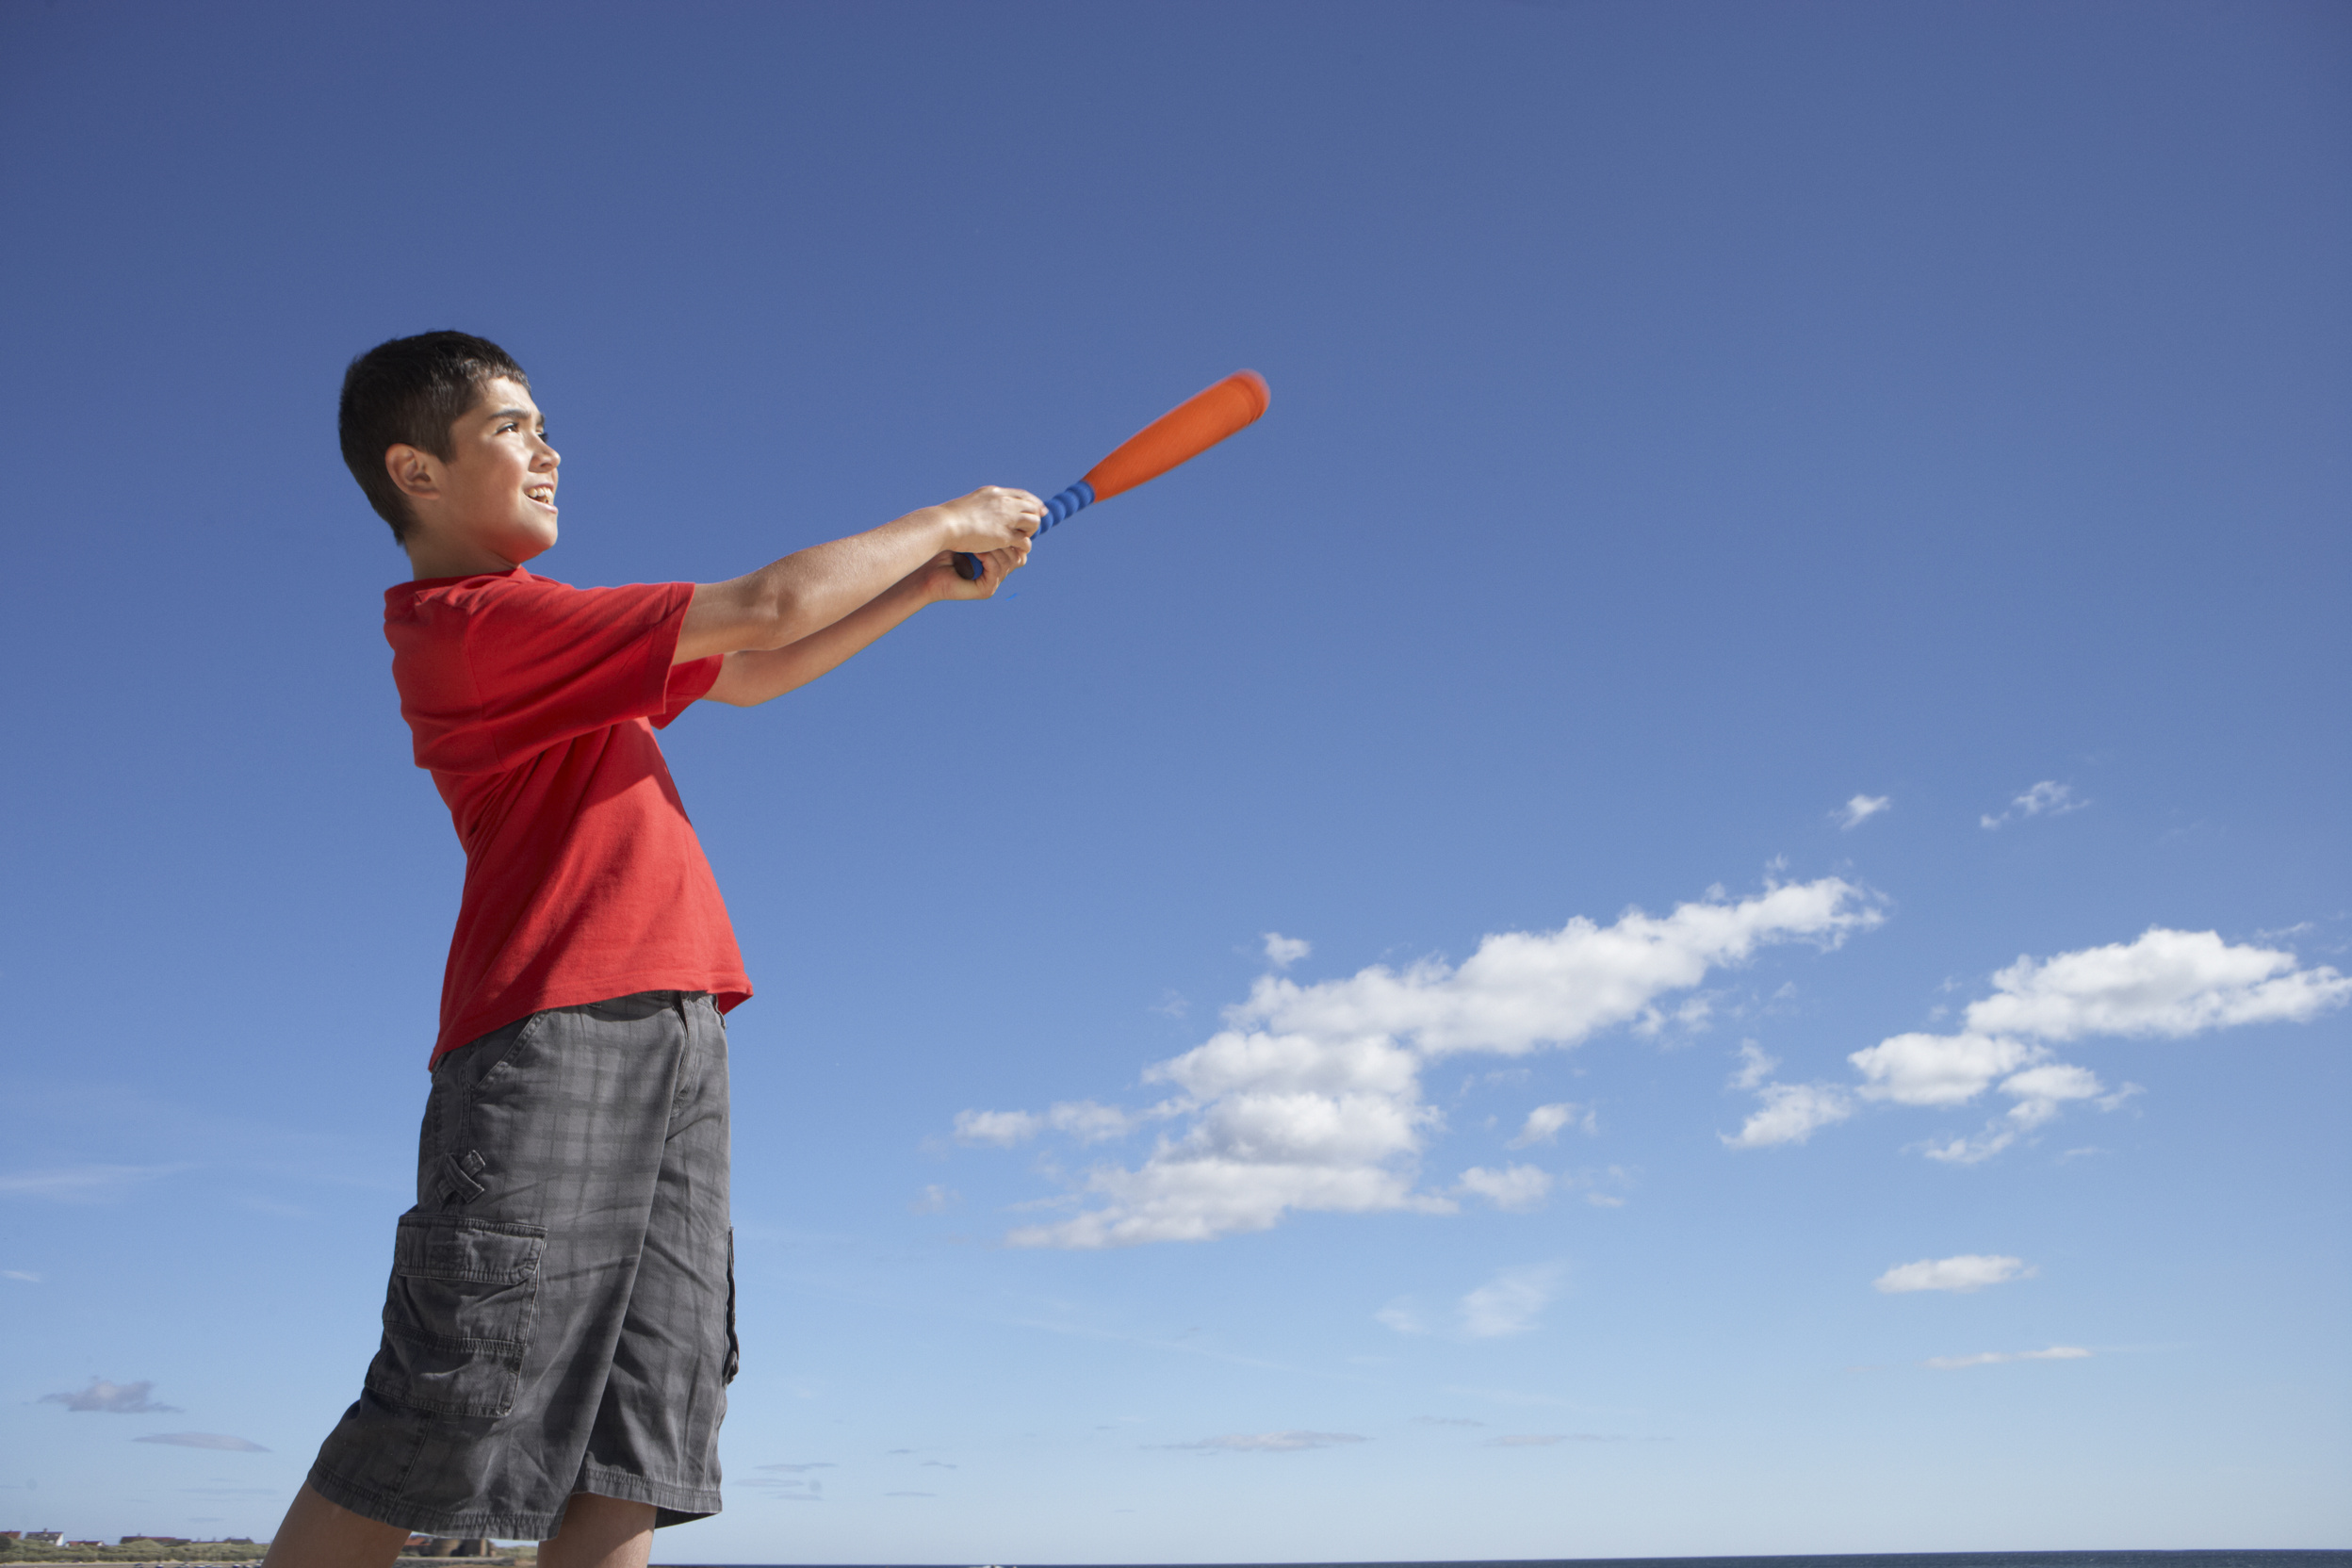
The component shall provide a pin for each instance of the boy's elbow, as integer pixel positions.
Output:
(768, 617)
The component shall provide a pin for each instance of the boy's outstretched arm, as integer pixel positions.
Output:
(754, 674)
(810, 590)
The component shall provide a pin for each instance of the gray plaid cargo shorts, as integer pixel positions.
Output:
(562, 1311)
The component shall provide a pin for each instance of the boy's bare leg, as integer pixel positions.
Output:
(601, 1532)
(320, 1534)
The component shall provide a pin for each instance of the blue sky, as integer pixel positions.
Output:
(1698, 903)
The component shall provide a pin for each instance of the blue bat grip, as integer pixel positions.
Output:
(1069, 502)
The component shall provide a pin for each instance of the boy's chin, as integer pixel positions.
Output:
(529, 543)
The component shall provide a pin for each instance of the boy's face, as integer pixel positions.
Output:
(497, 491)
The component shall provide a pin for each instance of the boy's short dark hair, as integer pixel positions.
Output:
(410, 390)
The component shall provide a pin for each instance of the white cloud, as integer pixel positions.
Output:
(2049, 798)
(1995, 1358)
(1514, 1186)
(2166, 983)
(1081, 1119)
(1962, 1150)
(1283, 951)
(1860, 809)
(1508, 1304)
(202, 1439)
(1936, 1070)
(113, 1399)
(1311, 1098)
(1400, 1315)
(1966, 1273)
(2041, 1090)
(1792, 1113)
(1522, 989)
(20, 1274)
(1755, 1066)
(1003, 1128)
(1270, 1443)
(1545, 1122)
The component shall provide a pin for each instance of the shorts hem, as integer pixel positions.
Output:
(428, 1521)
(672, 1505)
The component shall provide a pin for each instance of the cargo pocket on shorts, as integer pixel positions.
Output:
(457, 1316)
(734, 1346)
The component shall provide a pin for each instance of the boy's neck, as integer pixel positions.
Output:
(429, 556)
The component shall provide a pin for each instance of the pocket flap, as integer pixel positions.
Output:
(488, 1251)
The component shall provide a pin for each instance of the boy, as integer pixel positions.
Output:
(560, 1327)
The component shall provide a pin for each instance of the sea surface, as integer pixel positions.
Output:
(2317, 1559)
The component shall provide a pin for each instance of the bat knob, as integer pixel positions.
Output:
(970, 567)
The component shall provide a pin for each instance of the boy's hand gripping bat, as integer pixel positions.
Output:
(1186, 430)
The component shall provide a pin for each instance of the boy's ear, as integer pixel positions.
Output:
(417, 472)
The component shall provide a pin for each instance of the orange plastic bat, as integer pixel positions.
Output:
(1186, 430)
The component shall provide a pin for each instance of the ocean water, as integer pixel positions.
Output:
(2317, 1559)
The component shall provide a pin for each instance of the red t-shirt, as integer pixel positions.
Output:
(534, 704)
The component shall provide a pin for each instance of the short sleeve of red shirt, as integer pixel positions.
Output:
(533, 704)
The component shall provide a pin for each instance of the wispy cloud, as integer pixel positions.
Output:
(2049, 798)
(934, 1200)
(1268, 1443)
(1507, 1396)
(20, 1274)
(1080, 1118)
(1968, 1273)
(112, 1399)
(1312, 1097)
(1996, 1358)
(1790, 1113)
(83, 1184)
(1545, 1122)
(1283, 951)
(203, 1440)
(1547, 1440)
(1860, 809)
(1509, 1303)
(2167, 984)
(1516, 1187)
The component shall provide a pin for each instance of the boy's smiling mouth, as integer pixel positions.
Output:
(542, 494)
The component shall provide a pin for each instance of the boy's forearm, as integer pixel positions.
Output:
(753, 676)
(787, 600)
(781, 605)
